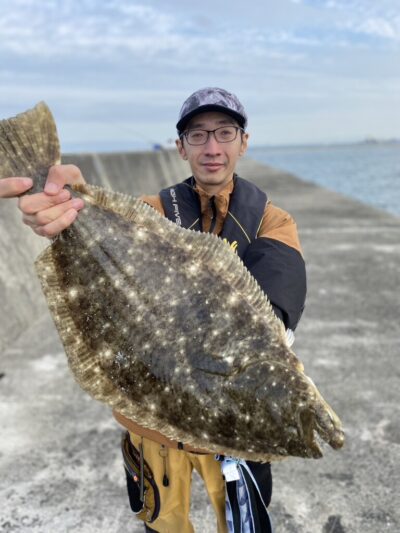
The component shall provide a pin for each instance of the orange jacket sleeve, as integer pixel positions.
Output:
(279, 225)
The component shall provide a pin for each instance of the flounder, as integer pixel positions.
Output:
(165, 324)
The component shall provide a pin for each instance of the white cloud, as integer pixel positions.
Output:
(380, 27)
(290, 38)
(50, 28)
(377, 19)
(123, 30)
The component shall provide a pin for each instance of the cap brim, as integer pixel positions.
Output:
(209, 107)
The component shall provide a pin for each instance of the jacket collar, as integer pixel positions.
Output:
(221, 200)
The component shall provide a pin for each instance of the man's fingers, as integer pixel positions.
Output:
(34, 203)
(46, 216)
(10, 187)
(58, 225)
(51, 211)
(60, 175)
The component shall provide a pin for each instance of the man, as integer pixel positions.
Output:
(211, 137)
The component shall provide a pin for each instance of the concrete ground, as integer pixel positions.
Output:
(60, 466)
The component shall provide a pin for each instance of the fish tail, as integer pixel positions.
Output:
(29, 146)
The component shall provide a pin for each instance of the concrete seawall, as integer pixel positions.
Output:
(59, 460)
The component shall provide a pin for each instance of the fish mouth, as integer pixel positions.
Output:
(316, 426)
(333, 434)
(328, 428)
(326, 424)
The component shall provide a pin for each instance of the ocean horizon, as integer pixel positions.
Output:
(366, 171)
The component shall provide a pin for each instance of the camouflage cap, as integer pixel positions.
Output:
(211, 99)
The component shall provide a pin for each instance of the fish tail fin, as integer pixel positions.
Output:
(29, 145)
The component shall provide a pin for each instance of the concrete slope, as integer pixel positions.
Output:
(60, 467)
(20, 295)
(132, 172)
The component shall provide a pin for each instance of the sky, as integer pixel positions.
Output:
(115, 73)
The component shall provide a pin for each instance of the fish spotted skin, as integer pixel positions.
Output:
(168, 327)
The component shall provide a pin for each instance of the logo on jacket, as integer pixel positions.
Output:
(174, 199)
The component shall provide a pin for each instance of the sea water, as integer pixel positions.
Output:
(367, 172)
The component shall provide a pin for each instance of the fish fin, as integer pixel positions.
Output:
(83, 361)
(121, 203)
(29, 145)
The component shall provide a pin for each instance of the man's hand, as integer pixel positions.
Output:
(51, 211)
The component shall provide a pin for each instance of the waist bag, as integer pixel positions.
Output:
(144, 496)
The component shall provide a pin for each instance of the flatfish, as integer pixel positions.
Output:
(165, 324)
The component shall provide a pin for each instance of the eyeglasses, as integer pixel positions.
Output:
(224, 134)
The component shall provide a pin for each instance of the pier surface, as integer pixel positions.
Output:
(60, 465)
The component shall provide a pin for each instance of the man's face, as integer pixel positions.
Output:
(213, 163)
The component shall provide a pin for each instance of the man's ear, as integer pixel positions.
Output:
(181, 149)
(243, 147)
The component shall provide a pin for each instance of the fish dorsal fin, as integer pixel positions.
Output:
(206, 248)
(29, 145)
(121, 203)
